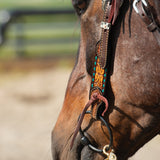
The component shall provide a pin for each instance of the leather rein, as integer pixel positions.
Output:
(97, 103)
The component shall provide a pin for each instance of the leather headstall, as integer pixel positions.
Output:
(99, 73)
(98, 84)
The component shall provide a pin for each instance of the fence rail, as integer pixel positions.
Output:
(22, 37)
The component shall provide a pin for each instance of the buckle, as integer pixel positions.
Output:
(135, 4)
(105, 25)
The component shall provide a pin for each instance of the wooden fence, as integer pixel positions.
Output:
(38, 33)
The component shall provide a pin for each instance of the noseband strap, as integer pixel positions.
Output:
(95, 97)
(85, 141)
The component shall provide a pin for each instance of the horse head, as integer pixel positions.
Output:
(131, 87)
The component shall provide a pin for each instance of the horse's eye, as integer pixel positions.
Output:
(80, 11)
(80, 7)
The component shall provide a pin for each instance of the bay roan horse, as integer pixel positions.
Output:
(132, 85)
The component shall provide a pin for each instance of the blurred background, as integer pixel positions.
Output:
(40, 29)
(38, 45)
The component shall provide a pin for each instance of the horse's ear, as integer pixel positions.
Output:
(80, 6)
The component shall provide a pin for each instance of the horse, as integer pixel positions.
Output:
(132, 86)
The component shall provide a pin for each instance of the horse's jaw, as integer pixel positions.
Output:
(132, 127)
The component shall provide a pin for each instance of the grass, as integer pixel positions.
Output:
(48, 30)
(11, 4)
(49, 18)
(40, 51)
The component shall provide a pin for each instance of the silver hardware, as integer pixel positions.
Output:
(111, 155)
(135, 4)
(104, 150)
(105, 25)
(144, 2)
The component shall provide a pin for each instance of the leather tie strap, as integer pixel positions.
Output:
(95, 97)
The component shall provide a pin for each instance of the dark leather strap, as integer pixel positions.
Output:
(104, 38)
(147, 17)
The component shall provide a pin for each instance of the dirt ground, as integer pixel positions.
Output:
(29, 106)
